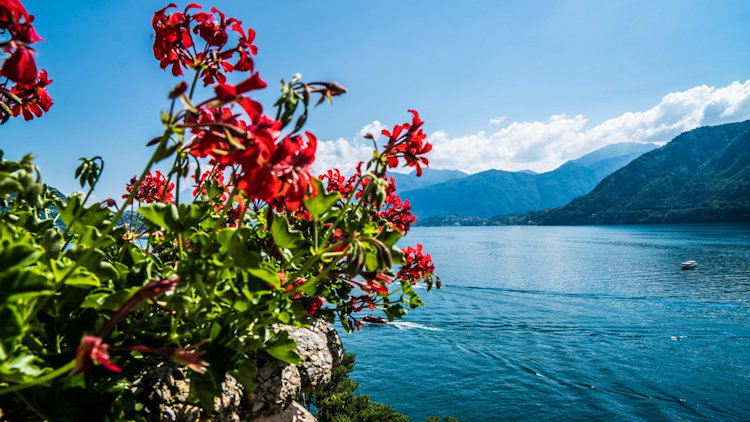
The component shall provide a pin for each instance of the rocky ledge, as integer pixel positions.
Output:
(164, 390)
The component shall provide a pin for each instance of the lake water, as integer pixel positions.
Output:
(571, 323)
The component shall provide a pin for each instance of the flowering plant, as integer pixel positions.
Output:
(23, 90)
(86, 291)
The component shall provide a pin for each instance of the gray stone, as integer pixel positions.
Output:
(276, 386)
(164, 390)
(335, 347)
(314, 372)
(166, 401)
(295, 412)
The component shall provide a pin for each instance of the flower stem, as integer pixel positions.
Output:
(31, 406)
(41, 380)
(192, 86)
(104, 234)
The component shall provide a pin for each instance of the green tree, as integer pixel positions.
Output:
(338, 403)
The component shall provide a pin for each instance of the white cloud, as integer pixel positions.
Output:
(373, 128)
(341, 154)
(345, 154)
(544, 145)
(497, 120)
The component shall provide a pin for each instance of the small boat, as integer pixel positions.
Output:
(372, 319)
(689, 265)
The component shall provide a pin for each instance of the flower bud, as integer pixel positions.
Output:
(178, 90)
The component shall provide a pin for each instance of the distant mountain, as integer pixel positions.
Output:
(700, 176)
(429, 177)
(494, 192)
(607, 159)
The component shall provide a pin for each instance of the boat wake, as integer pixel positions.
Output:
(407, 325)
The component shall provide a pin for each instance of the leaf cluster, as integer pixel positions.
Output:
(337, 402)
(67, 268)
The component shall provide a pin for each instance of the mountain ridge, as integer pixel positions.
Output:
(494, 192)
(409, 181)
(702, 175)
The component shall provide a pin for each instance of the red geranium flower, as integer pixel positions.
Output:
(410, 146)
(338, 183)
(233, 93)
(153, 189)
(418, 265)
(11, 11)
(286, 172)
(312, 304)
(187, 356)
(267, 170)
(34, 98)
(91, 350)
(359, 302)
(175, 47)
(398, 213)
(191, 358)
(20, 66)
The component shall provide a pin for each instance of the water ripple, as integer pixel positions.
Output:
(571, 323)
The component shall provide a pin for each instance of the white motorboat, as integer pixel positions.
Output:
(689, 265)
(372, 319)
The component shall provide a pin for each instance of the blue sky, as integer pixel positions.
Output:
(558, 79)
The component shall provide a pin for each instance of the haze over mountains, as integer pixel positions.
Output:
(700, 176)
(494, 192)
(406, 182)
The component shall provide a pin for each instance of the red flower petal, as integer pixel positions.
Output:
(20, 67)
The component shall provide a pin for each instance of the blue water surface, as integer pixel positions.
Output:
(571, 323)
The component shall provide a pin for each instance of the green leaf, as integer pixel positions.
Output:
(83, 278)
(243, 256)
(23, 364)
(11, 323)
(310, 287)
(245, 374)
(19, 277)
(52, 243)
(94, 300)
(116, 299)
(215, 330)
(169, 217)
(397, 256)
(282, 346)
(394, 312)
(165, 216)
(8, 184)
(94, 260)
(22, 367)
(93, 215)
(205, 388)
(122, 270)
(283, 235)
(90, 235)
(270, 277)
(414, 302)
(192, 214)
(371, 257)
(18, 255)
(322, 202)
(389, 236)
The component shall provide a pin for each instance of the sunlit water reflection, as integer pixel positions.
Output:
(571, 323)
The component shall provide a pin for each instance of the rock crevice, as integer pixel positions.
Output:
(164, 391)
